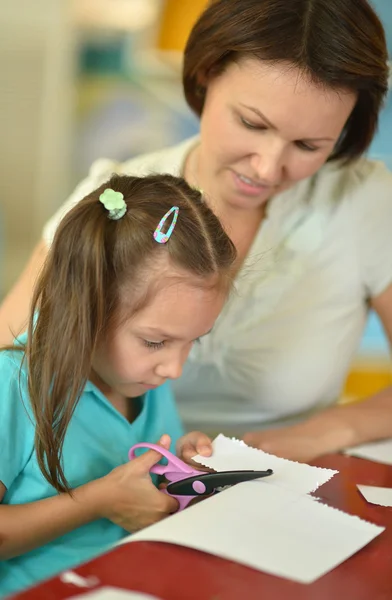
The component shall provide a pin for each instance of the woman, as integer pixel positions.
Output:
(288, 95)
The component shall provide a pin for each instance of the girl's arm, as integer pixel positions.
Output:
(24, 527)
(126, 496)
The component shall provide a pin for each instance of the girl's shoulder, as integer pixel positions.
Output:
(13, 370)
(12, 363)
(14, 400)
(17, 424)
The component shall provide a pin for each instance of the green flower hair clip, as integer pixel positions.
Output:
(114, 203)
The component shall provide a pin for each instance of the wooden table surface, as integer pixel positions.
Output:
(176, 573)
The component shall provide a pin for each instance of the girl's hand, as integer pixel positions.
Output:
(127, 495)
(191, 444)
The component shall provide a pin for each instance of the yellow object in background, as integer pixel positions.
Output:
(178, 18)
(366, 378)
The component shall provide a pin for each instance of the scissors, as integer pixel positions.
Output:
(186, 483)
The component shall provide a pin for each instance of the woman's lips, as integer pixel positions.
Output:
(248, 186)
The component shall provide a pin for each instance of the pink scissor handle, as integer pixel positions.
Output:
(174, 465)
(175, 470)
(183, 501)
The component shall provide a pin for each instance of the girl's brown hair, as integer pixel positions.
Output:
(337, 43)
(92, 261)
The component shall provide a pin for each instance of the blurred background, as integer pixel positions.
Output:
(83, 79)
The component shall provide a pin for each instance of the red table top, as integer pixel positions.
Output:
(176, 573)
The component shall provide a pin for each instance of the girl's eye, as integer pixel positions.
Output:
(153, 345)
(250, 125)
(306, 147)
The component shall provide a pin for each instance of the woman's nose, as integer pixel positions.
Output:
(267, 164)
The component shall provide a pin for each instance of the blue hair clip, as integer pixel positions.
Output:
(160, 237)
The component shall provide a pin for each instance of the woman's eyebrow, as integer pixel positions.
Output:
(272, 126)
(259, 114)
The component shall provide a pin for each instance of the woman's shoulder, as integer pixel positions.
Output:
(363, 204)
(339, 191)
(167, 160)
(364, 179)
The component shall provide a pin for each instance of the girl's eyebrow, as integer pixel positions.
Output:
(166, 335)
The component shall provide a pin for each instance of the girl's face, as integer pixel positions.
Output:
(264, 127)
(153, 346)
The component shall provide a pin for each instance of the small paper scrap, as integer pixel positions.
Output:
(77, 580)
(376, 495)
(111, 593)
(376, 451)
(231, 454)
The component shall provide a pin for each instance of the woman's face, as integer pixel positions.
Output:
(264, 127)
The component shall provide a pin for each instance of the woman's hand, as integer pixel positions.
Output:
(127, 495)
(191, 444)
(294, 443)
(326, 432)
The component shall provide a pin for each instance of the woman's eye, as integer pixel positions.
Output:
(306, 147)
(250, 125)
(153, 345)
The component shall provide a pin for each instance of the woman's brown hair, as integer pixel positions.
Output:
(92, 261)
(337, 43)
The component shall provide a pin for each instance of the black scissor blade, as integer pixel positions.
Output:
(191, 486)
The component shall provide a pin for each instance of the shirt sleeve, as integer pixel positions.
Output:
(372, 210)
(100, 171)
(16, 422)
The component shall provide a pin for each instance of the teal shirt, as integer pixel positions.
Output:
(98, 439)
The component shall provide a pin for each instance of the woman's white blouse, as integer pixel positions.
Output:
(283, 344)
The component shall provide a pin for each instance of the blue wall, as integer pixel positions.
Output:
(374, 341)
(384, 10)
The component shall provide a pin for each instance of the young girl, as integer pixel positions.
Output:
(138, 271)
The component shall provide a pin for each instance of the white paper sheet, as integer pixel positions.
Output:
(230, 454)
(376, 495)
(377, 451)
(111, 593)
(270, 524)
(268, 528)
